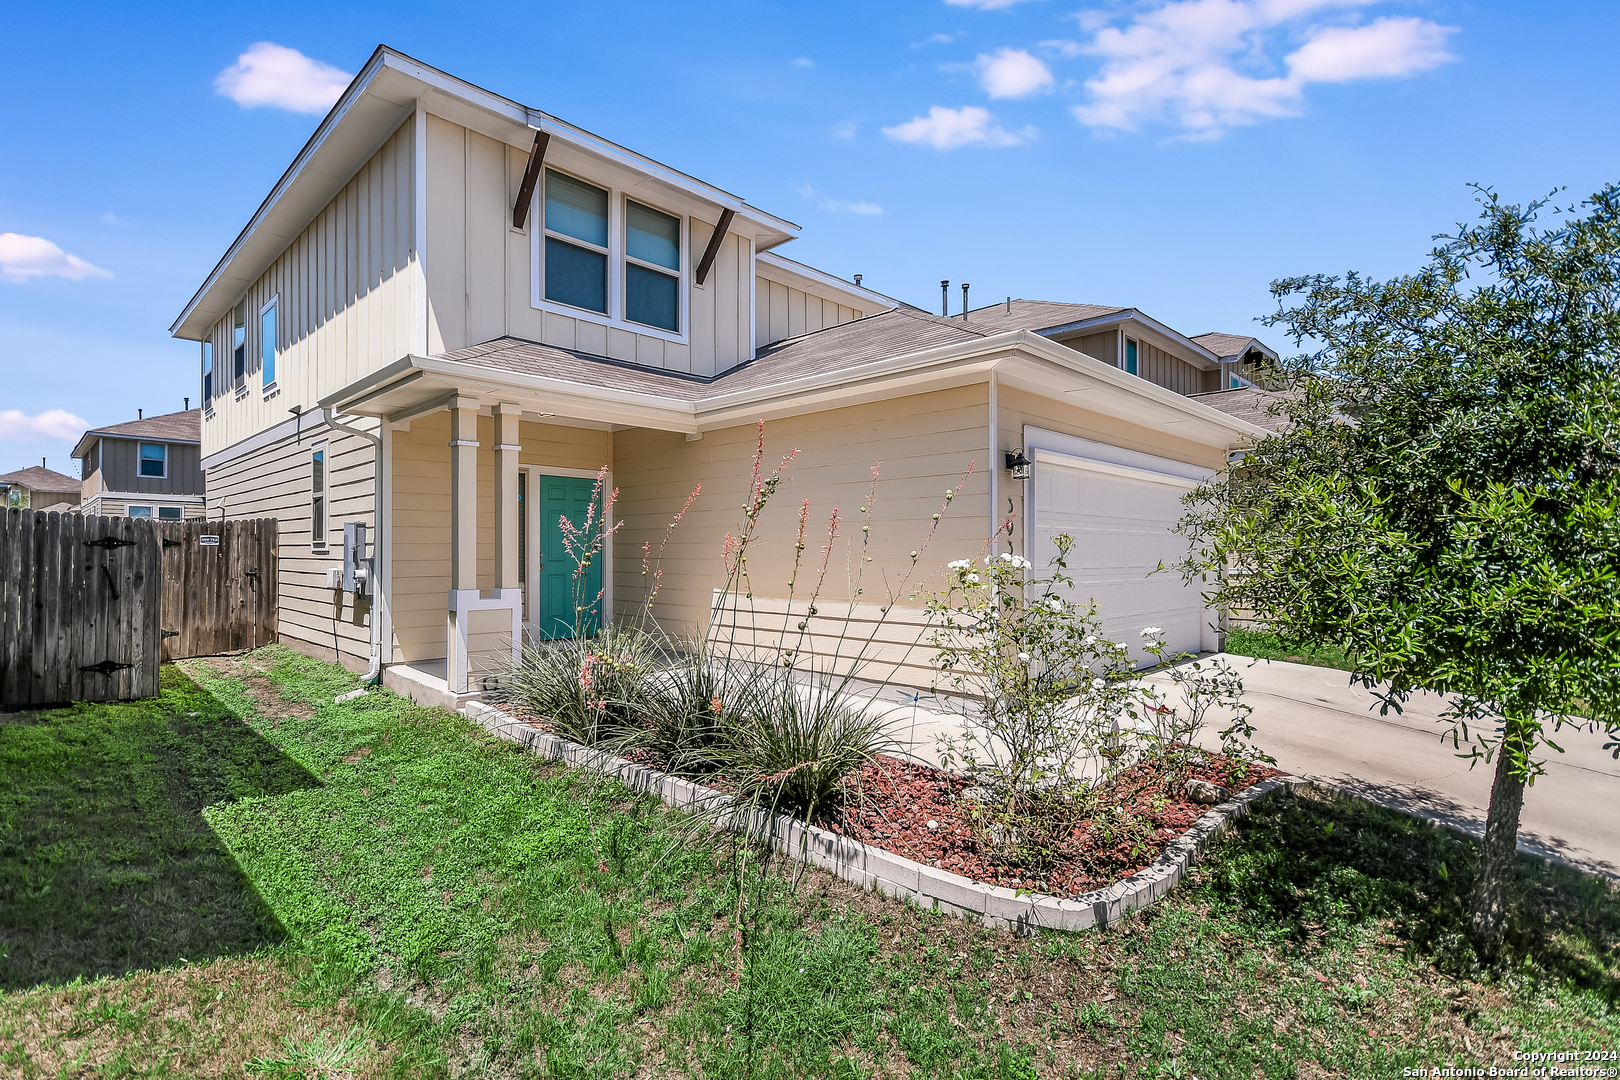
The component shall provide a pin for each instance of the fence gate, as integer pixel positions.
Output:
(219, 586)
(79, 608)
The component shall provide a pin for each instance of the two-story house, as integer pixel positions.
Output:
(453, 310)
(38, 488)
(150, 467)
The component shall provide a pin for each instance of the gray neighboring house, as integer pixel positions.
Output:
(1244, 362)
(151, 467)
(38, 488)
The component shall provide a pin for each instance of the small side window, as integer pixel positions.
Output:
(140, 511)
(1130, 357)
(154, 460)
(239, 345)
(267, 344)
(317, 497)
(170, 513)
(207, 375)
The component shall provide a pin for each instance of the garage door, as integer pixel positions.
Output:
(1121, 518)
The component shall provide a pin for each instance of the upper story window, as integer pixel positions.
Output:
(576, 243)
(207, 375)
(267, 344)
(1130, 357)
(610, 258)
(239, 345)
(652, 267)
(154, 460)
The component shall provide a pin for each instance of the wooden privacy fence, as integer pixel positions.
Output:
(79, 608)
(91, 606)
(219, 586)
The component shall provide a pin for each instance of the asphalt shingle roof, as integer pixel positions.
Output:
(837, 348)
(39, 478)
(1225, 346)
(1263, 408)
(1035, 315)
(176, 426)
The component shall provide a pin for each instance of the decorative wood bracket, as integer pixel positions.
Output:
(705, 263)
(531, 176)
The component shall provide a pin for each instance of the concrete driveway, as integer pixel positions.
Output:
(1317, 725)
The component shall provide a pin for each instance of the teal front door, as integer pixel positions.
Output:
(568, 496)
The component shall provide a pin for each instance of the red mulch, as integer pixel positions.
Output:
(893, 801)
(897, 799)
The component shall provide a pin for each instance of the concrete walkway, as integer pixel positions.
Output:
(1317, 725)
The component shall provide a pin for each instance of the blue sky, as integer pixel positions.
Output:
(1172, 156)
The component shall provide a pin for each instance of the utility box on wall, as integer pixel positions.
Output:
(356, 566)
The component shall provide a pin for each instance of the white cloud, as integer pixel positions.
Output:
(802, 61)
(1204, 65)
(24, 257)
(838, 206)
(50, 424)
(938, 39)
(1064, 47)
(1383, 49)
(845, 129)
(947, 129)
(1012, 73)
(283, 78)
(984, 5)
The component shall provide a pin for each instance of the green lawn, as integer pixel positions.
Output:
(241, 874)
(1268, 646)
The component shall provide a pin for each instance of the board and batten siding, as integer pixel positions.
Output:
(925, 442)
(118, 470)
(344, 301)
(781, 312)
(275, 481)
(421, 536)
(479, 269)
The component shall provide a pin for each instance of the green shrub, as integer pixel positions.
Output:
(592, 689)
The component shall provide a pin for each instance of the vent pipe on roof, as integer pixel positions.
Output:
(945, 299)
(188, 404)
(140, 414)
(964, 301)
(1009, 305)
(857, 281)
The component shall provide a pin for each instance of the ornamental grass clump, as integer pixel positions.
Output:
(589, 689)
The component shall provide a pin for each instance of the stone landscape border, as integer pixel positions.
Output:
(895, 875)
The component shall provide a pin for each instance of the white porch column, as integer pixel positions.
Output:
(463, 537)
(507, 416)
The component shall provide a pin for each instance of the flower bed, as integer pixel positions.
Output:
(924, 814)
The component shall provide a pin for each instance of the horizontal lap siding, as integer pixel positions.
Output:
(275, 482)
(421, 537)
(344, 303)
(925, 442)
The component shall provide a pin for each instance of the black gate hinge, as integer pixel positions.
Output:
(170, 633)
(109, 542)
(106, 667)
(167, 543)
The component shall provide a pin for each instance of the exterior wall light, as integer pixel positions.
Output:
(1018, 464)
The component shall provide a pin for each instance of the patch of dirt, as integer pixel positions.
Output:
(203, 1020)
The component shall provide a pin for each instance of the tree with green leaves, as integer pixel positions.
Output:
(1445, 500)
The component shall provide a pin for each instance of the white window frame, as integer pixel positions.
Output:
(129, 511)
(181, 516)
(618, 237)
(269, 388)
(319, 544)
(139, 475)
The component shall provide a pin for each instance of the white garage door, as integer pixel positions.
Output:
(1121, 519)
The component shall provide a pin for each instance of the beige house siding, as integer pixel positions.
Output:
(1173, 373)
(275, 481)
(1016, 408)
(782, 312)
(480, 280)
(421, 537)
(925, 441)
(344, 300)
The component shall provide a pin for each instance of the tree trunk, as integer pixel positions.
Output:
(1493, 884)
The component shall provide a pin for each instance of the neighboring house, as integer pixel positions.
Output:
(38, 488)
(1245, 362)
(452, 310)
(150, 467)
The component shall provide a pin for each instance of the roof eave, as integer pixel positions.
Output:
(1101, 322)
